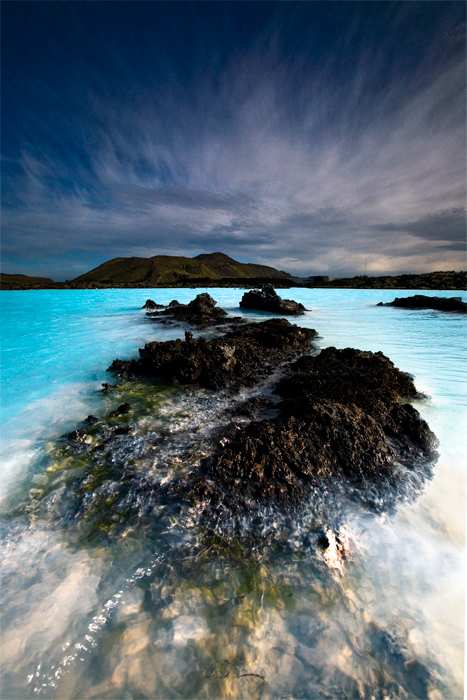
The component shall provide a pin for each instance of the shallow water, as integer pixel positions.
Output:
(109, 592)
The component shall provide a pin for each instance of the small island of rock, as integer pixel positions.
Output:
(201, 312)
(421, 301)
(268, 300)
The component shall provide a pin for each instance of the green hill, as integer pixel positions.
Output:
(165, 269)
(22, 281)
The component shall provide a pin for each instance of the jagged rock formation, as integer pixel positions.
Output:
(201, 312)
(340, 420)
(150, 304)
(268, 300)
(332, 424)
(233, 358)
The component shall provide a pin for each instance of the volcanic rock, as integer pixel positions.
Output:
(76, 435)
(366, 379)
(340, 421)
(335, 427)
(150, 304)
(420, 301)
(108, 388)
(234, 358)
(268, 300)
(124, 408)
(201, 313)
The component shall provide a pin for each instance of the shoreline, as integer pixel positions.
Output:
(437, 281)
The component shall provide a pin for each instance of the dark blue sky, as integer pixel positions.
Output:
(311, 136)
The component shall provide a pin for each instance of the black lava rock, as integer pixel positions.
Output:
(230, 359)
(150, 304)
(108, 388)
(268, 300)
(201, 313)
(340, 421)
(420, 301)
(124, 408)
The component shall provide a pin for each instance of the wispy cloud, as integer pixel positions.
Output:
(271, 156)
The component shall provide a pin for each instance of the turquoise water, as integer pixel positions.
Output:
(102, 620)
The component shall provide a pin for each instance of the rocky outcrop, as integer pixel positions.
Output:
(232, 359)
(202, 312)
(268, 300)
(421, 301)
(289, 435)
(150, 304)
(340, 421)
(339, 417)
(328, 423)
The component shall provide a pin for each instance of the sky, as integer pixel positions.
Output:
(317, 137)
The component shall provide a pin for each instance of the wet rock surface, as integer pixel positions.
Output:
(123, 408)
(232, 359)
(268, 300)
(201, 312)
(284, 425)
(340, 421)
(219, 612)
(421, 301)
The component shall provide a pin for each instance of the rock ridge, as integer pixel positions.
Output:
(421, 301)
(231, 359)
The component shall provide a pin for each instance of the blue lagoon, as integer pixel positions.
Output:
(97, 604)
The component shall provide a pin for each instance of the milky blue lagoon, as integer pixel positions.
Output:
(87, 614)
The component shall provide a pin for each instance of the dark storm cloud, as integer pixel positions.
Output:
(310, 136)
(447, 226)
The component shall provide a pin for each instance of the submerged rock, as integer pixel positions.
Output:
(268, 300)
(201, 312)
(340, 421)
(421, 301)
(78, 435)
(123, 408)
(233, 358)
(108, 388)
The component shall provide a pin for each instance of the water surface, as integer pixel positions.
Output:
(98, 604)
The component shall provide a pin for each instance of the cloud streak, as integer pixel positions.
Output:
(296, 152)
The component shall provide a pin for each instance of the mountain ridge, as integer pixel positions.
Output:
(160, 269)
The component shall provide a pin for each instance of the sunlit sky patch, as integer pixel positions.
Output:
(313, 136)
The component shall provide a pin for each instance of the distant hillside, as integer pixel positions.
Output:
(168, 269)
(218, 270)
(425, 280)
(22, 281)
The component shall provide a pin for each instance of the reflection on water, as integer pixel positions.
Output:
(111, 590)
